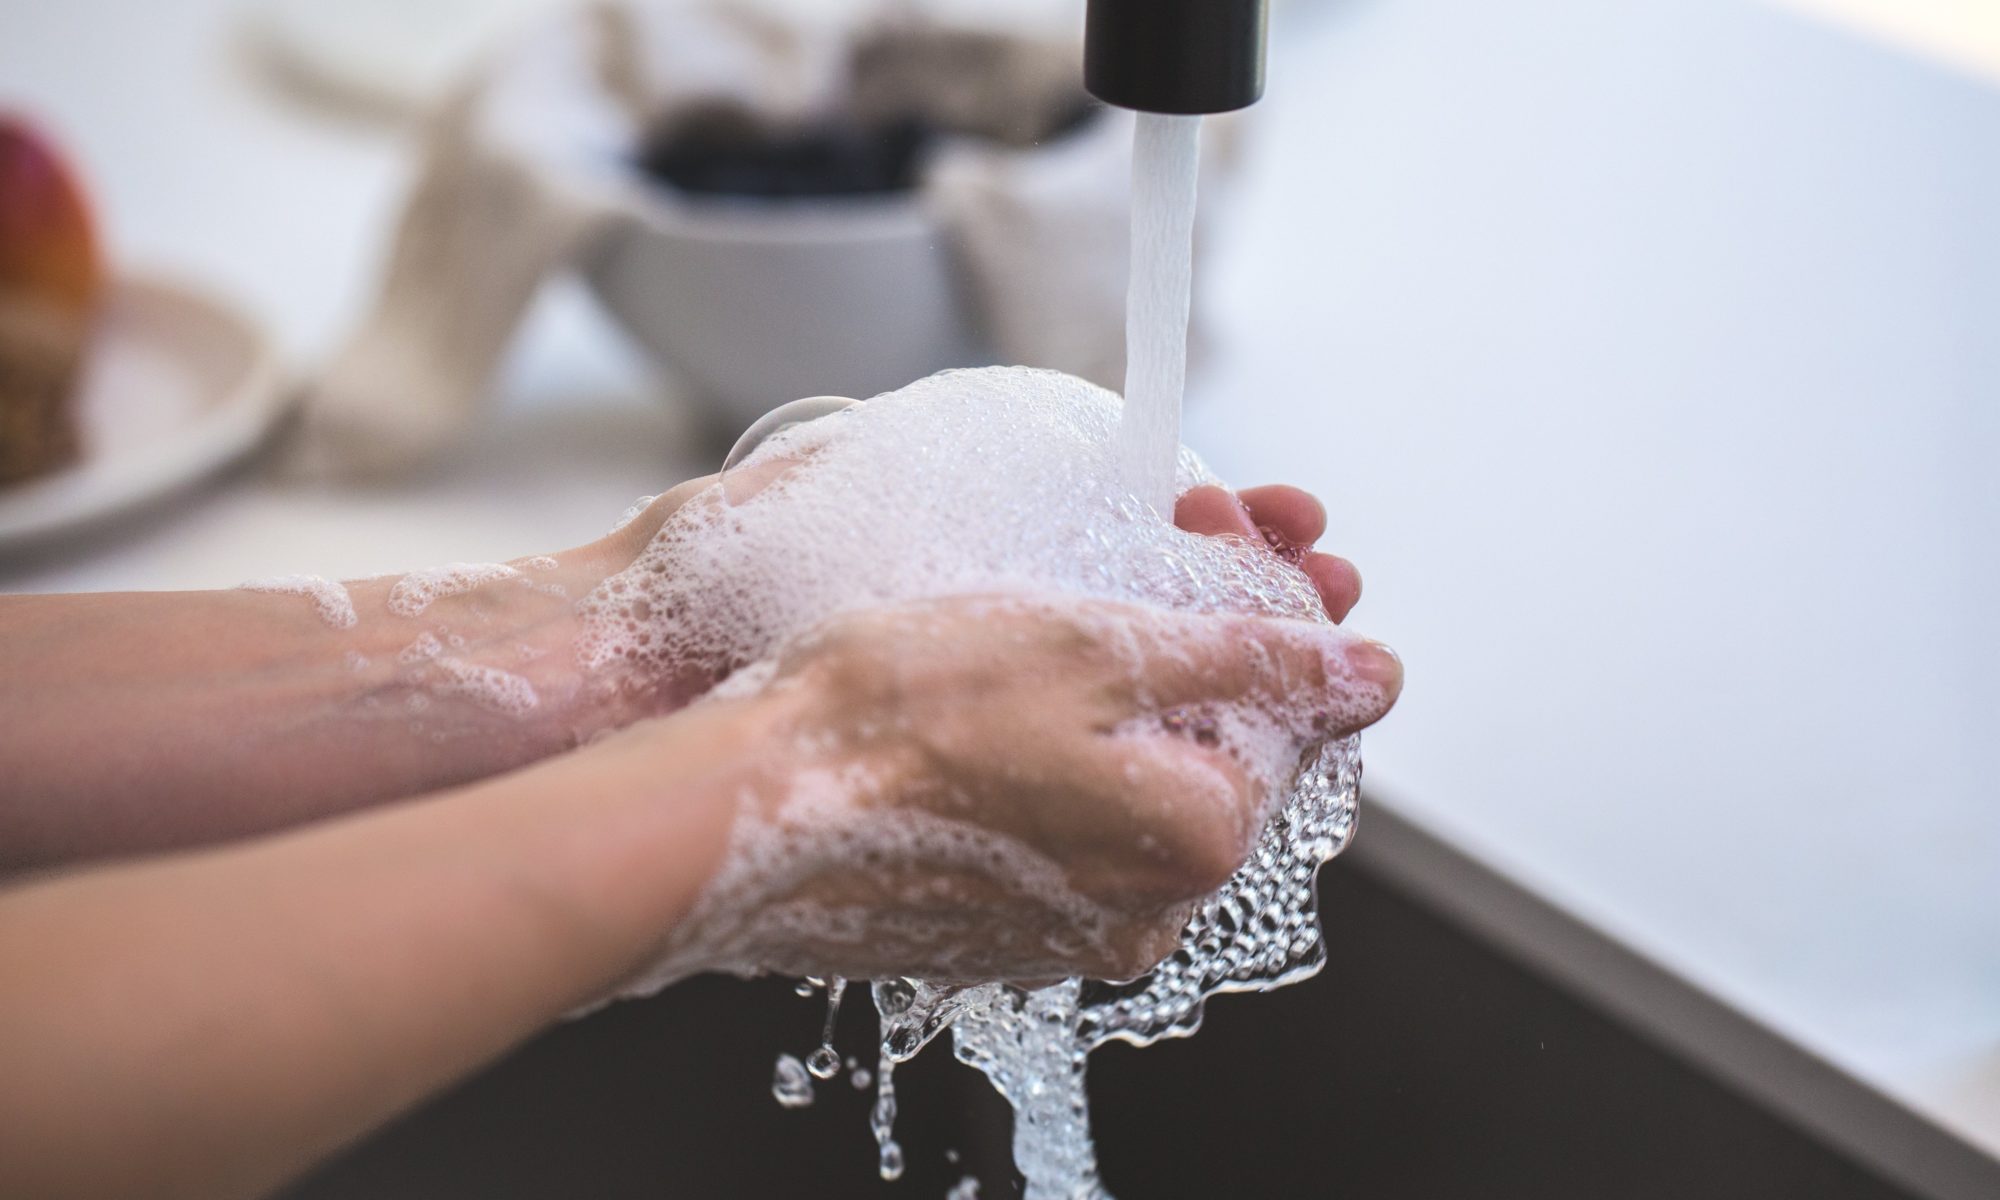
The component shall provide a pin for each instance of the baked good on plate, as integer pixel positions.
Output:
(51, 283)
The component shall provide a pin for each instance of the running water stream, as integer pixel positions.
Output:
(1166, 152)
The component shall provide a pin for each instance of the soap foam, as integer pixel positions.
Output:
(995, 480)
(999, 482)
(632, 512)
(433, 673)
(488, 687)
(425, 648)
(418, 590)
(329, 598)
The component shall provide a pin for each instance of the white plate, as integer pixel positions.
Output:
(176, 387)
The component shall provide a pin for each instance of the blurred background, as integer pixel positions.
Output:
(1646, 353)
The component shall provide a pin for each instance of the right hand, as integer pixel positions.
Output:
(933, 757)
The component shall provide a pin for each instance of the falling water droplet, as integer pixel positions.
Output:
(790, 1084)
(892, 1161)
(882, 1119)
(823, 1063)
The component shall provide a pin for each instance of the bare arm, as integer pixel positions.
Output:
(145, 721)
(207, 1024)
(138, 722)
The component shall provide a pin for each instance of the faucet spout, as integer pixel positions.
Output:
(1175, 56)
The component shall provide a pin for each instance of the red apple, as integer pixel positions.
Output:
(48, 242)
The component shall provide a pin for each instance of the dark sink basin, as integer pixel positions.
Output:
(1423, 1063)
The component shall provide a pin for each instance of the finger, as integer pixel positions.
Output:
(743, 481)
(1198, 812)
(1212, 512)
(641, 528)
(1290, 517)
(1166, 820)
(1301, 672)
(1337, 582)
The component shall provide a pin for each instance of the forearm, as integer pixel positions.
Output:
(137, 722)
(224, 1018)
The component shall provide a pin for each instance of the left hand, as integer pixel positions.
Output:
(1288, 520)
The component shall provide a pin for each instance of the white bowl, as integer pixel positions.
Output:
(755, 302)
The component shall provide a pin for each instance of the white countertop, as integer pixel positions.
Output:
(1648, 355)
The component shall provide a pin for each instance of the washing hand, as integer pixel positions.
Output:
(987, 787)
(361, 963)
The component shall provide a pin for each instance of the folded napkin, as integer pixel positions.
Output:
(529, 163)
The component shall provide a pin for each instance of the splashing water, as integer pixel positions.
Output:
(1260, 931)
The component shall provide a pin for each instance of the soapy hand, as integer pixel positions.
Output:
(1288, 520)
(990, 787)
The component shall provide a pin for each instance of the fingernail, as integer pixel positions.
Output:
(1375, 663)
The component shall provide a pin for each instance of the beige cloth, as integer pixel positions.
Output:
(524, 167)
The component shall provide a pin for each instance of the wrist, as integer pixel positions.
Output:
(636, 826)
(485, 675)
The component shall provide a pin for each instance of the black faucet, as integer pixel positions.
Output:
(1175, 56)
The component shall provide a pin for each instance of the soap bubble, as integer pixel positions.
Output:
(772, 423)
